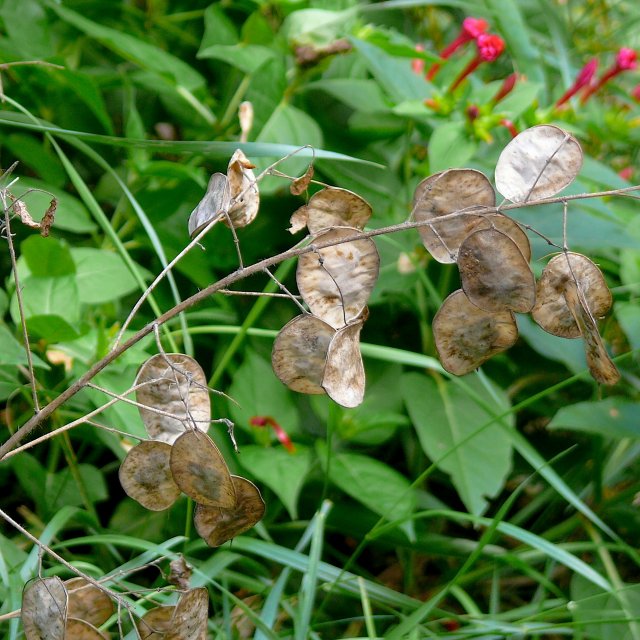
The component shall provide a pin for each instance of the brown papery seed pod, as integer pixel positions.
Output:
(189, 620)
(155, 623)
(87, 602)
(44, 609)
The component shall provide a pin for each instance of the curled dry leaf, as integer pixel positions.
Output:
(214, 203)
(176, 384)
(82, 630)
(180, 572)
(551, 310)
(466, 336)
(538, 163)
(217, 526)
(344, 372)
(442, 194)
(87, 602)
(44, 609)
(155, 623)
(48, 218)
(189, 620)
(509, 227)
(300, 352)
(494, 274)
(145, 475)
(332, 207)
(245, 198)
(200, 471)
(301, 184)
(25, 217)
(336, 281)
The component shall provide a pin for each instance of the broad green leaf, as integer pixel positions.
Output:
(47, 256)
(444, 416)
(48, 296)
(218, 28)
(521, 98)
(316, 26)
(246, 57)
(18, 13)
(4, 302)
(12, 352)
(449, 147)
(63, 490)
(33, 153)
(258, 392)
(395, 44)
(628, 314)
(51, 327)
(357, 93)
(612, 418)
(32, 477)
(102, 275)
(8, 379)
(283, 472)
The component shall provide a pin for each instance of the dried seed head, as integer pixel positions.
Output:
(445, 193)
(44, 609)
(538, 163)
(243, 187)
(87, 602)
(215, 202)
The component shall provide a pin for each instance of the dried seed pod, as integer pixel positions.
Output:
(509, 227)
(448, 192)
(466, 336)
(300, 352)
(244, 191)
(180, 572)
(494, 274)
(551, 310)
(217, 526)
(145, 475)
(332, 207)
(82, 630)
(174, 383)
(189, 620)
(344, 378)
(538, 163)
(87, 602)
(301, 184)
(44, 609)
(155, 623)
(215, 202)
(336, 281)
(200, 471)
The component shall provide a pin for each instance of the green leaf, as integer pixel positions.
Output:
(521, 98)
(48, 296)
(444, 416)
(8, 379)
(450, 147)
(316, 26)
(62, 488)
(51, 327)
(259, 393)
(218, 28)
(283, 472)
(359, 94)
(246, 57)
(12, 352)
(35, 154)
(395, 44)
(102, 276)
(628, 315)
(612, 417)
(47, 257)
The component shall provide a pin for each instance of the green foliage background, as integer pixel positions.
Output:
(500, 504)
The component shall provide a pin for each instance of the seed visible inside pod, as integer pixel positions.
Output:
(444, 193)
(145, 475)
(200, 471)
(44, 609)
(176, 384)
(494, 274)
(217, 526)
(344, 378)
(215, 201)
(155, 623)
(244, 191)
(466, 336)
(336, 281)
(538, 163)
(189, 620)
(551, 310)
(87, 602)
(300, 352)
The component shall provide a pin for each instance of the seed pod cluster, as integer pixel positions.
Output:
(181, 457)
(319, 352)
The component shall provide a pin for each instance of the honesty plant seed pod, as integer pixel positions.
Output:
(494, 274)
(215, 201)
(216, 526)
(444, 193)
(509, 227)
(336, 281)
(44, 609)
(538, 163)
(145, 475)
(155, 623)
(243, 187)
(466, 336)
(87, 602)
(189, 619)
(82, 630)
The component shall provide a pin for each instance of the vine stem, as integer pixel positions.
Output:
(224, 283)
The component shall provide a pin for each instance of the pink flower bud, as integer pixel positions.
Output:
(490, 46)
(583, 79)
(474, 26)
(626, 59)
(506, 88)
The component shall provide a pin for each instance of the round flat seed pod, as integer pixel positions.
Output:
(494, 274)
(155, 623)
(189, 620)
(442, 194)
(509, 227)
(334, 207)
(82, 630)
(244, 191)
(466, 336)
(176, 384)
(300, 352)
(200, 471)
(344, 378)
(216, 526)
(551, 310)
(44, 609)
(336, 281)
(145, 475)
(216, 200)
(538, 163)
(87, 602)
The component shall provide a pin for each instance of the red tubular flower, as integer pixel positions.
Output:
(626, 60)
(281, 434)
(583, 79)
(510, 127)
(490, 47)
(471, 29)
(417, 65)
(506, 88)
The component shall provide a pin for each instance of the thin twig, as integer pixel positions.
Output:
(262, 294)
(287, 293)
